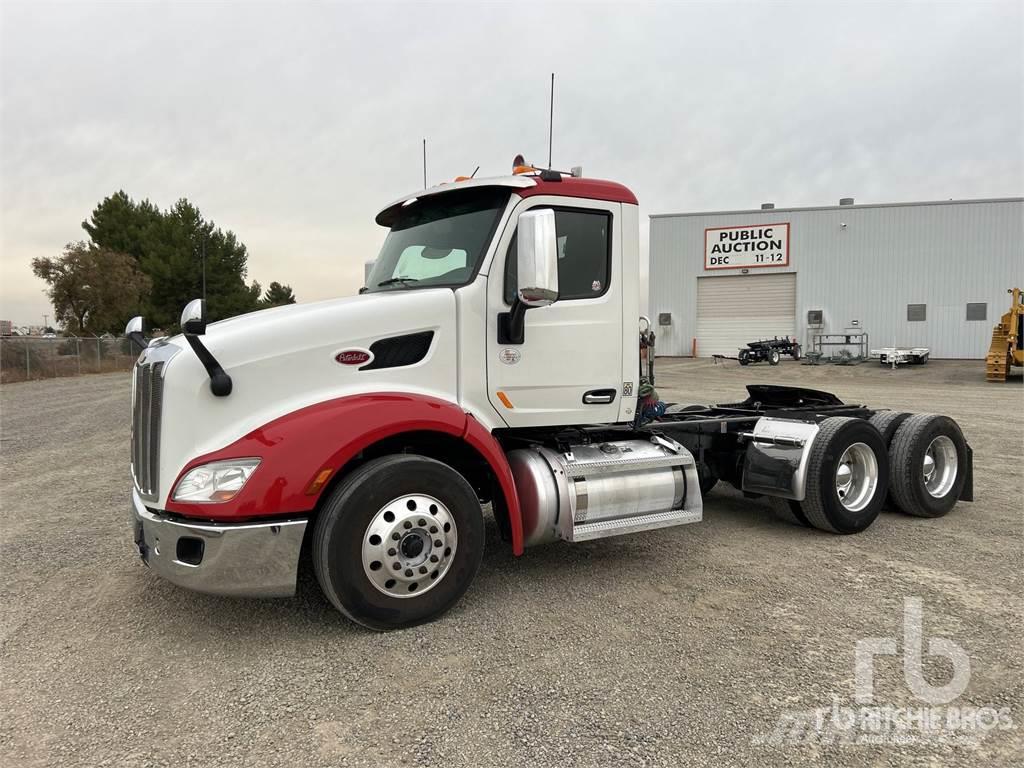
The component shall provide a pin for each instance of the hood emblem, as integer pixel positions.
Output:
(353, 357)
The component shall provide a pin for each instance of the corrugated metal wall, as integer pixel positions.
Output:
(943, 255)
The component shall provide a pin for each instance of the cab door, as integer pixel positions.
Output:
(567, 369)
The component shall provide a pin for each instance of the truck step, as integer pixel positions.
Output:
(623, 525)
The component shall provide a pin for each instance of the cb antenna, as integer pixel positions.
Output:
(424, 163)
(551, 118)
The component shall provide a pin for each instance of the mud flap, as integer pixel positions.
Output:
(967, 492)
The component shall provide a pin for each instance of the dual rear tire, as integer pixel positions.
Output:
(919, 461)
(847, 477)
(930, 461)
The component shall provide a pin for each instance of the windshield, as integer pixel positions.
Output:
(438, 241)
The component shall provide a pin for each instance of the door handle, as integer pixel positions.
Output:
(598, 396)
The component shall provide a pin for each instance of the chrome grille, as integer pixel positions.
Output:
(146, 411)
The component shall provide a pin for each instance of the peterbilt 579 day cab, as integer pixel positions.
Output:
(494, 356)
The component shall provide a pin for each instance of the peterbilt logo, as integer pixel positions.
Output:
(353, 357)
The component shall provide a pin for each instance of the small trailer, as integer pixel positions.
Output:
(765, 350)
(901, 355)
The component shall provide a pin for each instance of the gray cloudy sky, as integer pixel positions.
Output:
(292, 123)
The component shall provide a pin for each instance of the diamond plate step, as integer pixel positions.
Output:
(623, 525)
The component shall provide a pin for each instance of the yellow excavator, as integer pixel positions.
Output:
(1007, 341)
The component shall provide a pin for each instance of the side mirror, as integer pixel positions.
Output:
(537, 259)
(536, 273)
(193, 318)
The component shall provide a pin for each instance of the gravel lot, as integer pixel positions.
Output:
(666, 648)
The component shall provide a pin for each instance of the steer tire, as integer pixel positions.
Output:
(907, 453)
(789, 511)
(744, 357)
(822, 505)
(358, 502)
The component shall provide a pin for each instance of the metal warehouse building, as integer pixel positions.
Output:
(920, 274)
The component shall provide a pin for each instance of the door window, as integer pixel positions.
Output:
(584, 255)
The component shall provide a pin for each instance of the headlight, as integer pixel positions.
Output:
(216, 481)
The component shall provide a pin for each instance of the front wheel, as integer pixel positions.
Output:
(398, 542)
(744, 357)
(773, 357)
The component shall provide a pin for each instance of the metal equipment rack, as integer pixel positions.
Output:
(857, 339)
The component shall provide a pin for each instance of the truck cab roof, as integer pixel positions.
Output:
(524, 185)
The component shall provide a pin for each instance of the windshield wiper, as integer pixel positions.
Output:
(395, 280)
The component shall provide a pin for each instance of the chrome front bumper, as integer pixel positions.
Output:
(241, 560)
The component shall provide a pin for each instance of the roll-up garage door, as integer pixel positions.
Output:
(734, 310)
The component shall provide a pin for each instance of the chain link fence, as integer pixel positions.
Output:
(26, 358)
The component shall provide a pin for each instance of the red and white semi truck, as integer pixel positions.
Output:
(493, 357)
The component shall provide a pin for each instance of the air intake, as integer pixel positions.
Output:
(399, 351)
(846, 201)
(767, 206)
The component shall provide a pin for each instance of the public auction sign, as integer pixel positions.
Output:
(761, 245)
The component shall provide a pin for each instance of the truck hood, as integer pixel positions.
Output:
(283, 359)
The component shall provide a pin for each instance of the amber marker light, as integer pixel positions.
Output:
(319, 481)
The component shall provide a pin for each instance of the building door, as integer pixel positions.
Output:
(737, 309)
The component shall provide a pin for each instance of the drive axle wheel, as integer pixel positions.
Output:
(773, 357)
(788, 510)
(847, 476)
(928, 456)
(887, 422)
(398, 541)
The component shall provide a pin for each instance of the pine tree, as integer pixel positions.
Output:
(277, 295)
(170, 248)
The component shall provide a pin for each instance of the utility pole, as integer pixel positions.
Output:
(424, 163)
(45, 319)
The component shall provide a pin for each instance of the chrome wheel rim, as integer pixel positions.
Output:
(409, 545)
(856, 477)
(939, 466)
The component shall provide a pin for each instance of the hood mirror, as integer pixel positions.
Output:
(133, 332)
(193, 318)
(193, 325)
